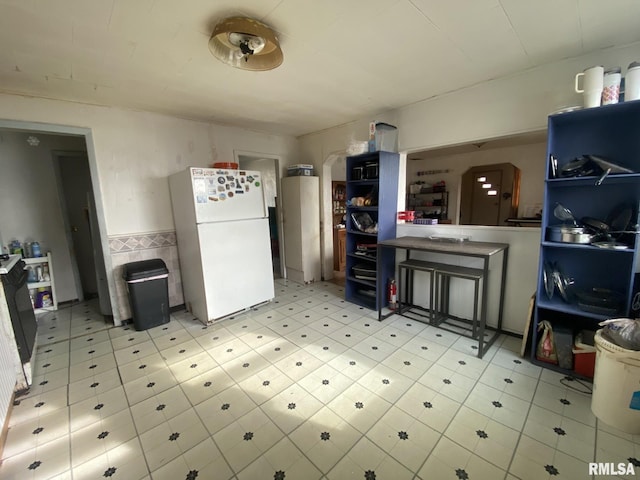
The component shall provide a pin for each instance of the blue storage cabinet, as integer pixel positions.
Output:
(371, 175)
(609, 132)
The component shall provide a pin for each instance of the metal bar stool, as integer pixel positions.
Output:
(444, 274)
(406, 270)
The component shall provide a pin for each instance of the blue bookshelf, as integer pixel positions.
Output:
(371, 176)
(609, 132)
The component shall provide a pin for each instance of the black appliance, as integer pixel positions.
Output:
(21, 312)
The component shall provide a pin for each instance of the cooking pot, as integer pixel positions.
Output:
(568, 234)
(371, 171)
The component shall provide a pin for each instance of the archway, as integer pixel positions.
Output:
(326, 213)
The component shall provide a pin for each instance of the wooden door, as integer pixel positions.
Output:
(485, 195)
(490, 194)
(339, 249)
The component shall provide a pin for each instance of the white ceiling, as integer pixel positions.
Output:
(343, 59)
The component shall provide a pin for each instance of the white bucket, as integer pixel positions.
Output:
(616, 386)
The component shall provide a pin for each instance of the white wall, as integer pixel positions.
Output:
(135, 152)
(266, 166)
(31, 209)
(497, 108)
(501, 107)
(339, 169)
(528, 158)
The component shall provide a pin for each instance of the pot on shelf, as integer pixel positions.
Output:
(568, 234)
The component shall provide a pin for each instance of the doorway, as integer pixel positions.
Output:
(269, 167)
(54, 227)
(490, 194)
(77, 202)
(333, 169)
(338, 222)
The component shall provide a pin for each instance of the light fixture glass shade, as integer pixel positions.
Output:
(245, 43)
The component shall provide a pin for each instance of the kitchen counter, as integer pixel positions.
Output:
(6, 265)
(12, 372)
(12, 376)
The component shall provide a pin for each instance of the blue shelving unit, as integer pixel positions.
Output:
(609, 132)
(382, 189)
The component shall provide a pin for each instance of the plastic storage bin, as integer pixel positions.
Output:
(300, 170)
(147, 283)
(383, 137)
(584, 353)
(616, 386)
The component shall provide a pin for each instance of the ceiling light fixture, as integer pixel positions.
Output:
(245, 43)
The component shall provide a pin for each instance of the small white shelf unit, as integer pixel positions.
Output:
(49, 284)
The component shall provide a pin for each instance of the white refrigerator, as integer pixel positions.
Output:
(224, 246)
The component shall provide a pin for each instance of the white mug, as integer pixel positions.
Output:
(611, 89)
(632, 82)
(592, 85)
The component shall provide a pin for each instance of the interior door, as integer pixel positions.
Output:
(76, 183)
(485, 205)
(98, 257)
(490, 194)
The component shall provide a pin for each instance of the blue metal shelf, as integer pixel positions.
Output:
(384, 189)
(612, 179)
(610, 132)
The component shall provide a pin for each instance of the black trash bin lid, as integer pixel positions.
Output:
(144, 269)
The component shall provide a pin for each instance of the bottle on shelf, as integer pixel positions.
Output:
(15, 248)
(35, 249)
(31, 275)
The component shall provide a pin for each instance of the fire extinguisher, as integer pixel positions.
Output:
(393, 295)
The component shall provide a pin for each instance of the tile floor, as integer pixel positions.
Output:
(307, 387)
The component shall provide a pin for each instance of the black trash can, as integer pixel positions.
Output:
(148, 286)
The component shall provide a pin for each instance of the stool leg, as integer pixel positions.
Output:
(400, 288)
(474, 332)
(436, 292)
(439, 297)
(431, 299)
(445, 290)
(410, 273)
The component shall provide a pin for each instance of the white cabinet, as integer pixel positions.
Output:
(46, 281)
(301, 209)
